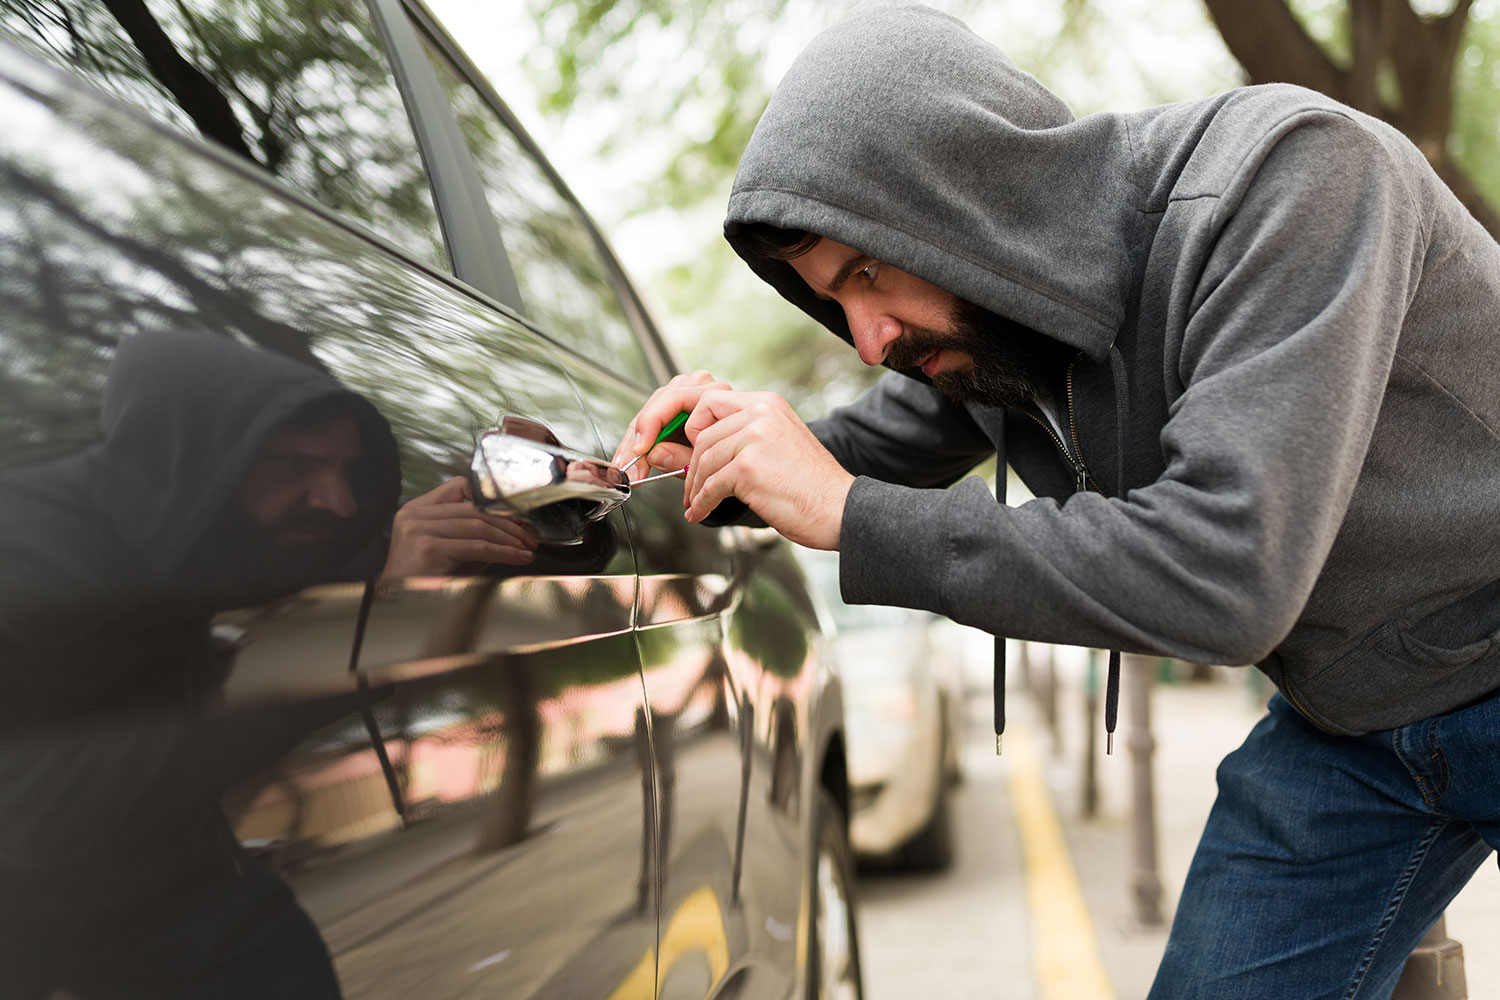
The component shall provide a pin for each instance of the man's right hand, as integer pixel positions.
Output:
(681, 394)
(750, 446)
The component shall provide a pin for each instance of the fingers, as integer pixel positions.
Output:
(715, 447)
(669, 456)
(435, 538)
(457, 552)
(682, 393)
(485, 527)
(451, 491)
(753, 447)
(457, 520)
(744, 418)
(721, 477)
(748, 445)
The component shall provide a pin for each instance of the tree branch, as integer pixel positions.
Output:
(1272, 46)
(195, 93)
(1372, 25)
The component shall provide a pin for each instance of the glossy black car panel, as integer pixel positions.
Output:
(587, 772)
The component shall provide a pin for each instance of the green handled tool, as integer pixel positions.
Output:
(671, 428)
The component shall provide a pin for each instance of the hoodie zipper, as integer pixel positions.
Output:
(1082, 479)
(1081, 475)
(1290, 693)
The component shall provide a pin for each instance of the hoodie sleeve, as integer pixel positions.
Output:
(902, 431)
(1291, 319)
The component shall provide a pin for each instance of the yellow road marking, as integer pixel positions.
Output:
(1066, 949)
(695, 927)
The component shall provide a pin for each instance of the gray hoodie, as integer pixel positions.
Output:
(1286, 399)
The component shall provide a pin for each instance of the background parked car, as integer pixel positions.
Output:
(903, 674)
(613, 767)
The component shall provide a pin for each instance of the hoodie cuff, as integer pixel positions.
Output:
(893, 546)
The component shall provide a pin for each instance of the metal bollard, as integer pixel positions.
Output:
(1090, 804)
(1435, 968)
(1049, 701)
(1146, 880)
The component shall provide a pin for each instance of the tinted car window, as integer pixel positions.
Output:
(566, 286)
(301, 89)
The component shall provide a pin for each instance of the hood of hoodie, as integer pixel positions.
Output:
(901, 133)
(184, 417)
(138, 529)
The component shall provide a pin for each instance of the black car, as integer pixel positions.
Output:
(300, 699)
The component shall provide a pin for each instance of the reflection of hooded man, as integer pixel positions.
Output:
(227, 477)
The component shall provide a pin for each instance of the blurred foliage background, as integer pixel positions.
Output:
(646, 104)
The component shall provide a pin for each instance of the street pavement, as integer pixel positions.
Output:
(1039, 903)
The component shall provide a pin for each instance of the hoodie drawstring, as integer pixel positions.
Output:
(1112, 682)
(1122, 410)
(999, 639)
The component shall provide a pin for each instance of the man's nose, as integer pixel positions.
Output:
(331, 492)
(873, 332)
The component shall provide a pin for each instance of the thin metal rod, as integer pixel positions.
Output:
(665, 475)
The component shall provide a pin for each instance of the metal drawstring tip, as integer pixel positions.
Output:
(1109, 743)
(998, 738)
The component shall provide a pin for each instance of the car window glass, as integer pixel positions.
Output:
(566, 285)
(107, 232)
(299, 88)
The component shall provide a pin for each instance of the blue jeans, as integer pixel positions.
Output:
(1327, 858)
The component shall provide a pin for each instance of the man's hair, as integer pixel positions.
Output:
(763, 243)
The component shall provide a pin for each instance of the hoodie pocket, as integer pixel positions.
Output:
(1407, 669)
(1464, 632)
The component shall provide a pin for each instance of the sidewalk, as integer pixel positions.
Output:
(1195, 724)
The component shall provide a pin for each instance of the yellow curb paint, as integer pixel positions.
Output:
(1065, 946)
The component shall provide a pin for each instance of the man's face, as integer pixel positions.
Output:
(897, 319)
(298, 491)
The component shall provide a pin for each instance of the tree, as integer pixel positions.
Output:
(1382, 57)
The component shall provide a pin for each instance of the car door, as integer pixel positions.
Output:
(458, 793)
(722, 616)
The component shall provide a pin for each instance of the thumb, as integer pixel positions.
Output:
(669, 457)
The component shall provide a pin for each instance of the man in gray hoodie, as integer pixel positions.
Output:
(1243, 350)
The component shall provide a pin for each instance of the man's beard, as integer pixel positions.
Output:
(1013, 364)
(261, 553)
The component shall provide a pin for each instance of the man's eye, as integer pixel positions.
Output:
(870, 271)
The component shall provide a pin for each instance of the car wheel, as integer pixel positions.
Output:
(932, 848)
(833, 952)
